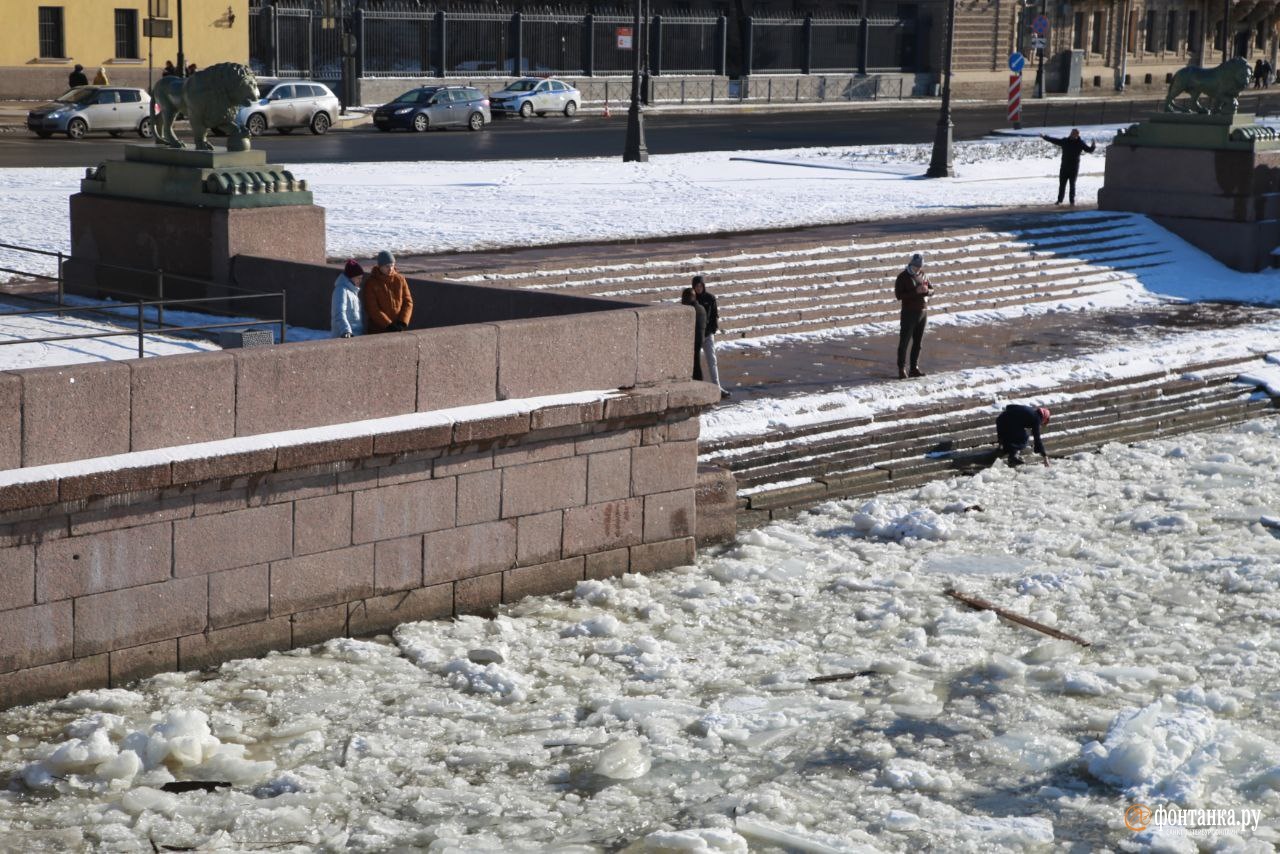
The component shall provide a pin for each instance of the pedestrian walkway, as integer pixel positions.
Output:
(834, 283)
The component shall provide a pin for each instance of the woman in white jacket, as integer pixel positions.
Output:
(346, 311)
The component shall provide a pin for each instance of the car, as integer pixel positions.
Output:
(530, 95)
(85, 109)
(290, 104)
(435, 107)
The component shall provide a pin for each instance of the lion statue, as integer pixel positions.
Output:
(210, 100)
(1221, 85)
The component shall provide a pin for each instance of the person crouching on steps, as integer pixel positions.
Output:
(913, 290)
(346, 312)
(689, 298)
(1012, 428)
(388, 305)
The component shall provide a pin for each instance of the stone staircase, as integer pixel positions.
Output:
(782, 472)
(982, 27)
(812, 287)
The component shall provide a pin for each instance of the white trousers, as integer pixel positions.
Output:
(713, 370)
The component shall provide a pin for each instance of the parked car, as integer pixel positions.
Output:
(114, 109)
(290, 104)
(435, 107)
(530, 95)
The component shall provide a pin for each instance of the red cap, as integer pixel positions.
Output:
(353, 269)
(1044, 414)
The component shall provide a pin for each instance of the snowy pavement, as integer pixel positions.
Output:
(672, 712)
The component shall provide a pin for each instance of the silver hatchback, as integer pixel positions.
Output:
(114, 109)
(288, 105)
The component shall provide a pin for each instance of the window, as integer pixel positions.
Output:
(1099, 32)
(1077, 32)
(1171, 32)
(1193, 32)
(1151, 31)
(51, 44)
(130, 96)
(1260, 40)
(126, 33)
(1218, 32)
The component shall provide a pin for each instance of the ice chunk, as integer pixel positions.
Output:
(980, 564)
(625, 759)
(702, 840)
(124, 766)
(914, 775)
(601, 626)
(489, 680)
(102, 700)
(1162, 749)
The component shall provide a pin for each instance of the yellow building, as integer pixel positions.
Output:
(41, 41)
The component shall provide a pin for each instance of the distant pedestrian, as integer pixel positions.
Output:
(1072, 145)
(1012, 428)
(191, 69)
(101, 78)
(708, 301)
(346, 311)
(169, 70)
(388, 305)
(1268, 72)
(1259, 73)
(77, 77)
(688, 297)
(913, 290)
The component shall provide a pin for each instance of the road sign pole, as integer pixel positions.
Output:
(1015, 100)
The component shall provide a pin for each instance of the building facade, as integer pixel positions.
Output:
(42, 40)
(1095, 45)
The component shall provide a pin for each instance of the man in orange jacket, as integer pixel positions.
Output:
(388, 305)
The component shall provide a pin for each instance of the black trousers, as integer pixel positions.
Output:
(697, 360)
(910, 333)
(1064, 179)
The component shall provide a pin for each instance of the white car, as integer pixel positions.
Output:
(530, 95)
(290, 104)
(114, 109)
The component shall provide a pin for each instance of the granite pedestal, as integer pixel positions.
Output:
(1212, 180)
(188, 213)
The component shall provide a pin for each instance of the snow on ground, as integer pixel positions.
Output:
(435, 206)
(672, 712)
(758, 416)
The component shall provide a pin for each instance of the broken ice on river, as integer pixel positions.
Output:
(673, 713)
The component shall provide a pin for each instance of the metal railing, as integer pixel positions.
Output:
(394, 40)
(144, 314)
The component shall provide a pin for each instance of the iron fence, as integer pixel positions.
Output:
(415, 41)
(142, 309)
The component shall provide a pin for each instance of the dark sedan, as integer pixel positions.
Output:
(430, 107)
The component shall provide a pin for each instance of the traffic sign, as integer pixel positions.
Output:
(624, 35)
(1037, 42)
(1016, 62)
(1040, 25)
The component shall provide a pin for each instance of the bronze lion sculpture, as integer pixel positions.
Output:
(1221, 85)
(210, 100)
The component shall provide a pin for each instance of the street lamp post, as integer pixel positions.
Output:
(636, 151)
(940, 163)
(1226, 34)
(182, 58)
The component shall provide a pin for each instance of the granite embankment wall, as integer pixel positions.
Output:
(172, 513)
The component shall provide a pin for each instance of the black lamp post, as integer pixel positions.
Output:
(1226, 34)
(940, 163)
(182, 58)
(636, 151)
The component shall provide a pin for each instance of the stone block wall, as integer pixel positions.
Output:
(174, 513)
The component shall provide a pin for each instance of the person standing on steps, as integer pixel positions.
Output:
(388, 304)
(77, 77)
(1018, 424)
(689, 298)
(912, 289)
(708, 301)
(1072, 145)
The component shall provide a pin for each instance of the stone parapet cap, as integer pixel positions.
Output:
(476, 426)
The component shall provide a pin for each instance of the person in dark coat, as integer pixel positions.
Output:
(912, 289)
(169, 70)
(1072, 145)
(1012, 428)
(688, 297)
(707, 300)
(77, 77)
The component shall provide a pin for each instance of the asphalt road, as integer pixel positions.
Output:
(582, 136)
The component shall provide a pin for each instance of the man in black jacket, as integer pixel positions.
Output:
(77, 77)
(708, 301)
(1011, 431)
(1071, 147)
(687, 297)
(912, 289)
